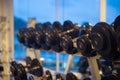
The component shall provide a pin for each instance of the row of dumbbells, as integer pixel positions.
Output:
(33, 70)
(101, 38)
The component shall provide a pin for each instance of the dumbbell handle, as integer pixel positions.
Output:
(29, 70)
(68, 31)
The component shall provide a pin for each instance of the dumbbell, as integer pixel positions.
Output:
(46, 76)
(34, 37)
(20, 35)
(76, 76)
(68, 41)
(40, 35)
(54, 36)
(51, 38)
(103, 41)
(27, 38)
(111, 77)
(83, 65)
(117, 32)
(34, 67)
(19, 70)
(105, 66)
(17, 73)
(59, 77)
(84, 44)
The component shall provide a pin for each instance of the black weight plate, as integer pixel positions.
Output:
(31, 78)
(71, 76)
(38, 68)
(52, 38)
(59, 77)
(28, 61)
(118, 41)
(67, 25)
(57, 26)
(22, 72)
(49, 75)
(38, 26)
(104, 29)
(84, 46)
(29, 37)
(20, 35)
(66, 43)
(39, 37)
(117, 23)
(97, 39)
(13, 68)
(83, 65)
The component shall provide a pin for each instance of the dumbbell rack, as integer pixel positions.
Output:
(92, 60)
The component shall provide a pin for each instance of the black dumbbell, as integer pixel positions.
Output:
(17, 73)
(59, 77)
(71, 76)
(34, 68)
(68, 41)
(84, 44)
(77, 76)
(106, 67)
(46, 76)
(54, 36)
(40, 34)
(27, 38)
(83, 65)
(52, 39)
(111, 77)
(117, 31)
(103, 41)
(20, 35)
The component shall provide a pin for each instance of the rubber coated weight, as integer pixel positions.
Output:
(52, 39)
(13, 68)
(38, 26)
(118, 42)
(111, 77)
(117, 30)
(117, 23)
(31, 78)
(49, 75)
(59, 77)
(23, 74)
(28, 61)
(67, 25)
(84, 46)
(46, 27)
(36, 68)
(20, 35)
(104, 40)
(57, 26)
(29, 37)
(83, 65)
(17, 71)
(67, 44)
(71, 76)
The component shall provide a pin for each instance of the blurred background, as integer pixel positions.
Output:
(78, 11)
